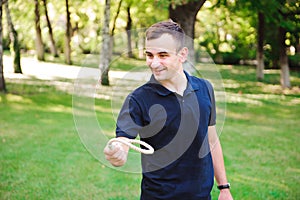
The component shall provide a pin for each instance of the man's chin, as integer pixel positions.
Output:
(159, 77)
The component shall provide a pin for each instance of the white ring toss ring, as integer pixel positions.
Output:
(130, 142)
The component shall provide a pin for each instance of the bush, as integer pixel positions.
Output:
(294, 62)
(229, 58)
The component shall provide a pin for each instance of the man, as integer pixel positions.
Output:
(175, 113)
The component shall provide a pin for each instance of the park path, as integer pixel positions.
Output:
(68, 77)
(52, 71)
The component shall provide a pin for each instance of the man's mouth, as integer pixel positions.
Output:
(157, 71)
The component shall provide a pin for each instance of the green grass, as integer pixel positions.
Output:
(42, 156)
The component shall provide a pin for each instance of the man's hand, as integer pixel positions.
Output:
(116, 154)
(225, 195)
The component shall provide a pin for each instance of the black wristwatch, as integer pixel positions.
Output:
(226, 186)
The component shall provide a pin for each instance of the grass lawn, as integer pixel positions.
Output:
(42, 156)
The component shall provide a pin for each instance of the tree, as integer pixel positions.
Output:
(279, 13)
(185, 14)
(53, 48)
(15, 46)
(68, 35)
(283, 59)
(115, 18)
(105, 54)
(128, 32)
(286, 13)
(112, 33)
(40, 50)
(2, 81)
(260, 47)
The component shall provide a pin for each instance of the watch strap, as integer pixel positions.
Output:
(226, 186)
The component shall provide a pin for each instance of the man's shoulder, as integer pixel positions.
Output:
(151, 89)
(141, 89)
(141, 92)
(200, 82)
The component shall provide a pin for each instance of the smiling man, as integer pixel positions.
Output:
(175, 113)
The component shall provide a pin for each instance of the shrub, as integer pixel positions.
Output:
(294, 62)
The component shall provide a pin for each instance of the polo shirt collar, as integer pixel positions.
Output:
(157, 87)
(161, 90)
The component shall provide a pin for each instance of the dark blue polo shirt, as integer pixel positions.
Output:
(176, 127)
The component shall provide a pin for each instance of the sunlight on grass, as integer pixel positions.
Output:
(231, 84)
(59, 108)
(294, 102)
(239, 98)
(244, 179)
(14, 98)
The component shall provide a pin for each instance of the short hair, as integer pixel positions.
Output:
(170, 27)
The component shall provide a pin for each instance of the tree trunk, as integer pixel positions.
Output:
(128, 32)
(14, 45)
(53, 48)
(116, 17)
(105, 54)
(68, 36)
(40, 50)
(2, 80)
(141, 44)
(260, 44)
(218, 56)
(185, 15)
(112, 39)
(283, 60)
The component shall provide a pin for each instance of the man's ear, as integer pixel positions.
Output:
(183, 54)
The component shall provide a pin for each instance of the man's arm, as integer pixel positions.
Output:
(117, 155)
(218, 162)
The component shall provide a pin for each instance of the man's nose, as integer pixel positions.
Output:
(155, 62)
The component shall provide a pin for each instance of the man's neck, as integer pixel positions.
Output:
(177, 84)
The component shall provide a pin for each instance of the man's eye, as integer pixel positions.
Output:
(149, 55)
(163, 55)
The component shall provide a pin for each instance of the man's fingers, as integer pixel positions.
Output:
(115, 153)
(111, 149)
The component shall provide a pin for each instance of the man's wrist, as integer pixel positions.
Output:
(224, 186)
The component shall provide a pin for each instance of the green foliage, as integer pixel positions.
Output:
(230, 58)
(294, 61)
(221, 26)
(243, 15)
(86, 21)
(223, 32)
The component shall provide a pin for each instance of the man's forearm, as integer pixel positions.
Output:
(217, 156)
(218, 162)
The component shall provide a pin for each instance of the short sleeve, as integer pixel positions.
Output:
(129, 119)
(213, 114)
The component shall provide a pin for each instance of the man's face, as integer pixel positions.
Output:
(162, 58)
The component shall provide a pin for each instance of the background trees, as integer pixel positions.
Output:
(232, 32)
